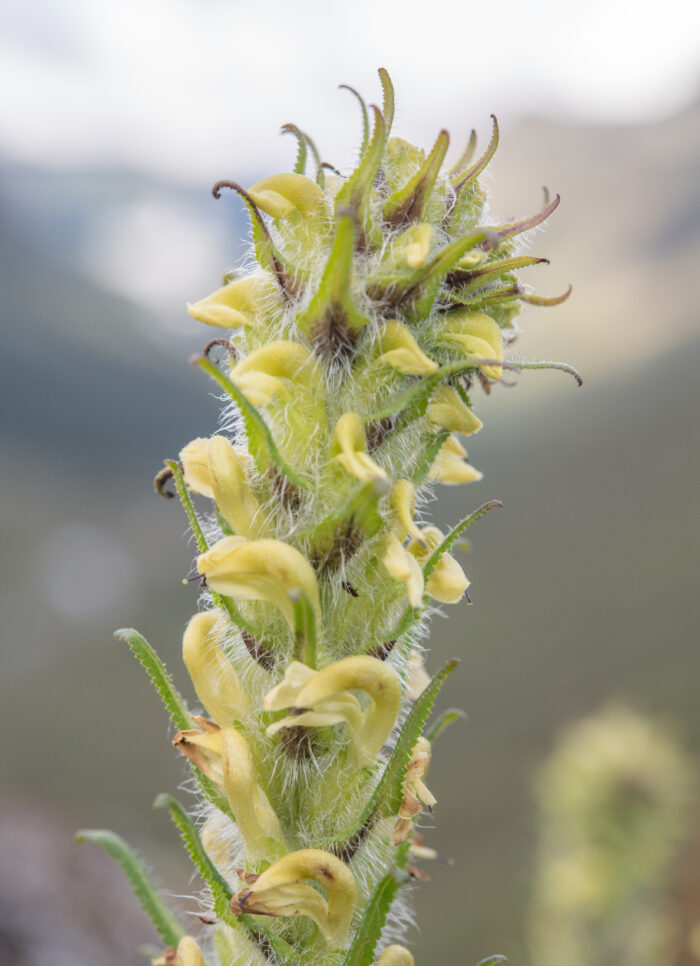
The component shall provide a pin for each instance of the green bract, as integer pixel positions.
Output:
(381, 304)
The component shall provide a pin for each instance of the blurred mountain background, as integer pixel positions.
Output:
(585, 585)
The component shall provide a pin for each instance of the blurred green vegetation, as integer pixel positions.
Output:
(584, 585)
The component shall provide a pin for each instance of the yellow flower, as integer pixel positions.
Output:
(260, 570)
(396, 956)
(276, 369)
(417, 678)
(403, 566)
(415, 793)
(239, 302)
(446, 409)
(282, 194)
(348, 448)
(187, 953)
(447, 582)
(323, 698)
(217, 469)
(400, 350)
(213, 675)
(450, 466)
(223, 755)
(411, 248)
(479, 336)
(280, 891)
(403, 501)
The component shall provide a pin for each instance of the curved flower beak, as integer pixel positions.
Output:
(213, 676)
(223, 755)
(238, 303)
(447, 410)
(400, 350)
(280, 891)
(276, 369)
(282, 194)
(349, 446)
(217, 469)
(321, 698)
(261, 570)
(450, 466)
(404, 567)
(479, 336)
(447, 582)
(403, 501)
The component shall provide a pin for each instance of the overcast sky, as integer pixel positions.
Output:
(193, 88)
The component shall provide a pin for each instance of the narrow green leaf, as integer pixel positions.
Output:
(412, 404)
(447, 718)
(466, 177)
(260, 438)
(408, 203)
(365, 116)
(388, 794)
(289, 279)
(187, 505)
(300, 163)
(517, 227)
(388, 98)
(474, 278)
(454, 534)
(422, 291)
(332, 321)
(354, 194)
(361, 953)
(465, 157)
(174, 703)
(162, 918)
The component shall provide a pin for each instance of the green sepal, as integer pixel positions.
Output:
(172, 699)
(300, 163)
(331, 320)
(260, 441)
(365, 116)
(408, 203)
(463, 178)
(166, 925)
(305, 634)
(355, 193)
(361, 952)
(447, 718)
(455, 533)
(388, 793)
(289, 279)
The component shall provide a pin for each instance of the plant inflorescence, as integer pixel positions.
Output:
(380, 305)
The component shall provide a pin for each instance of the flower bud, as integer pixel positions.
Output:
(216, 469)
(223, 755)
(349, 447)
(276, 369)
(213, 675)
(403, 501)
(400, 350)
(322, 698)
(447, 409)
(280, 891)
(260, 570)
(479, 336)
(447, 582)
(450, 466)
(238, 303)
(187, 953)
(396, 956)
(281, 194)
(403, 566)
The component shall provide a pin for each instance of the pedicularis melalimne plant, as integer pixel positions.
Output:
(375, 306)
